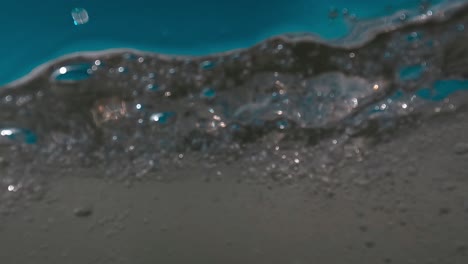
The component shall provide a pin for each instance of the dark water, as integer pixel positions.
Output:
(288, 107)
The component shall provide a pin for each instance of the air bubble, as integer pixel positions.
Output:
(80, 16)
(73, 73)
(207, 65)
(11, 135)
(208, 93)
(162, 118)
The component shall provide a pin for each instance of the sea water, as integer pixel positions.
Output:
(289, 107)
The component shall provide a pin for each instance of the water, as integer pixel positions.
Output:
(288, 107)
(80, 16)
(288, 143)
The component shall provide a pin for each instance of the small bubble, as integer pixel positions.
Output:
(73, 72)
(162, 118)
(152, 87)
(207, 65)
(80, 16)
(403, 17)
(208, 93)
(414, 36)
(282, 124)
(354, 102)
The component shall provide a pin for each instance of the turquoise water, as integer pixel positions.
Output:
(44, 30)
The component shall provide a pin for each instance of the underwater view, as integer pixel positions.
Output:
(237, 132)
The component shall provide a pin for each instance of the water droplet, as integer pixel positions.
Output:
(121, 69)
(414, 36)
(162, 118)
(207, 65)
(411, 72)
(152, 87)
(15, 134)
(403, 16)
(282, 124)
(208, 93)
(73, 73)
(354, 102)
(80, 16)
